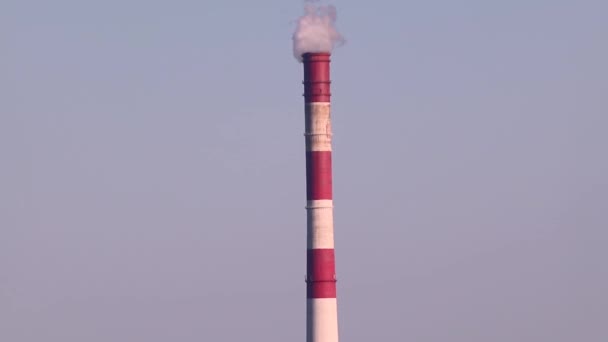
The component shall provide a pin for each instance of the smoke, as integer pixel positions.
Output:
(315, 30)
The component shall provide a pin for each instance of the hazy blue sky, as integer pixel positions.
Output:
(152, 171)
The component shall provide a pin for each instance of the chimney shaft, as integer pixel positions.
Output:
(321, 305)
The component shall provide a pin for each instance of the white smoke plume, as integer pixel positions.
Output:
(316, 30)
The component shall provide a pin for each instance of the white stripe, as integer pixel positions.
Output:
(321, 320)
(318, 126)
(320, 223)
(319, 204)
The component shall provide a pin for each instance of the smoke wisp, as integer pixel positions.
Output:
(316, 30)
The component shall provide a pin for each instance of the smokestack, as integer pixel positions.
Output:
(321, 305)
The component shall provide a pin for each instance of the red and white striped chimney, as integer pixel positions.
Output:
(321, 307)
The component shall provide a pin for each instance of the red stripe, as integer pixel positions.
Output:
(316, 77)
(318, 175)
(317, 92)
(321, 274)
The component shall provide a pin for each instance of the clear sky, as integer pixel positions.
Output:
(152, 171)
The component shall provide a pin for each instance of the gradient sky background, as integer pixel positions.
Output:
(152, 171)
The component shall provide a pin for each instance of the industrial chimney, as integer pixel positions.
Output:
(321, 305)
